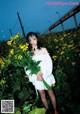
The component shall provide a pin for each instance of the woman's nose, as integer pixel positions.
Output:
(32, 41)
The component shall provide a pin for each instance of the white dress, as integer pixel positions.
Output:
(46, 68)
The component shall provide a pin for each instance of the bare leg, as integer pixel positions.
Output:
(53, 100)
(43, 98)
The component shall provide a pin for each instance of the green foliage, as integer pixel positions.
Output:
(33, 66)
(62, 89)
(38, 111)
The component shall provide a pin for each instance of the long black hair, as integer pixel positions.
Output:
(30, 34)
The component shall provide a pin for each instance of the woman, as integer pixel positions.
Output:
(40, 53)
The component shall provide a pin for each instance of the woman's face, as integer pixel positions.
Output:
(33, 41)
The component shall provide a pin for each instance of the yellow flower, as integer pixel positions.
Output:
(2, 81)
(65, 45)
(62, 52)
(73, 63)
(9, 42)
(53, 85)
(7, 61)
(70, 46)
(11, 51)
(65, 35)
(24, 47)
(19, 34)
(56, 47)
(54, 57)
(55, 40)
(20, 57)
(68, 33)
(27, 44)
(1, 60)
(2, 63)
(26, 76)
(61, 38)
(16, 36)
(21, 46)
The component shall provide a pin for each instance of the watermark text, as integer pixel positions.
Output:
(62, 3)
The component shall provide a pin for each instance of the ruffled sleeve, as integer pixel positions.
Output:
(48, 66)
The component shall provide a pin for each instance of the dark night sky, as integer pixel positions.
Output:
(36, 15)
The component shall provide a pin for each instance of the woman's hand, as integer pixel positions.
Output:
(39, 76)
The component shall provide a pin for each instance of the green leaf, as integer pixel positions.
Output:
(46, 84)
(38, 111)
(21, 95)
(18, 112)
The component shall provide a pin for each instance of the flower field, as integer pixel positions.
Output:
(64, 49)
